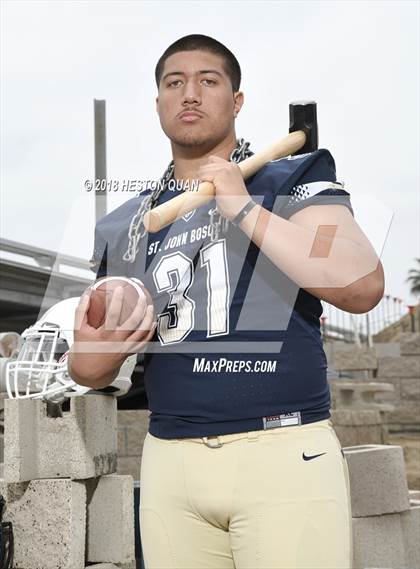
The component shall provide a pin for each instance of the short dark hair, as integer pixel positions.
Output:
(195, 42)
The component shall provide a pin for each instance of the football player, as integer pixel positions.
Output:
(241, 466)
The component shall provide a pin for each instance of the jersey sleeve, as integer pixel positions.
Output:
(316, 185)
(98, 261)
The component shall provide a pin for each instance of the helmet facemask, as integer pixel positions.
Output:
(40, 370)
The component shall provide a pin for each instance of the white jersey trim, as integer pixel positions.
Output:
(305, 191)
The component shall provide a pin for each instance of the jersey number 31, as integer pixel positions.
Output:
(174, 274)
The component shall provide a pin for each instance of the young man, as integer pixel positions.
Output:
(241, 467)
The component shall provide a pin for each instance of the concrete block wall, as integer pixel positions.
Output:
(399, 368)
(82, 443)
(410, 344)
(63, 522)
(385, 515)
(410, 443)
(360, 395)
(393, 391)
(359, 426)
(403, 372)
(348, 357)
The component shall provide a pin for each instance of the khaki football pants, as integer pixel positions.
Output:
(247, 501)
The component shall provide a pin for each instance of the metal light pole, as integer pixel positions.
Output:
(100, 159)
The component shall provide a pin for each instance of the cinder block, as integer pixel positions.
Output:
(410, 521)
(369, 434)
(350, 357)
(403, 366)
(347, 435)
(129, 465)
(361, 395)
(411, 449)
(387, 349)
(378, 541)
(133, 426)
(360, 435)
(410, 388)
(405, 413)
(110, 519)
(391, 396)
(49, 523)
(122, 441)
(131, 416)
(82, 443)
(410, 343)
(355, 417)
(136, 433)
(378, 480)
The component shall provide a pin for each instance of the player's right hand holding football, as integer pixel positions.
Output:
(98, 352)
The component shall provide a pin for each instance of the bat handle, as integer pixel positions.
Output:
(170, 211)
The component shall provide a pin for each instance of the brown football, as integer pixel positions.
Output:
(101, 294)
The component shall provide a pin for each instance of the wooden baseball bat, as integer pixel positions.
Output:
(170, 211)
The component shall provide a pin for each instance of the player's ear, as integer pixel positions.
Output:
(238, 101)
(157, 105)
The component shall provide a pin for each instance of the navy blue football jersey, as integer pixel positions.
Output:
(238, 344)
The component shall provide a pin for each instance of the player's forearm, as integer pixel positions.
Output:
(86, 369)
(335, 269)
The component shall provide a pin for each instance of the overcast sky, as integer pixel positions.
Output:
(358, 60)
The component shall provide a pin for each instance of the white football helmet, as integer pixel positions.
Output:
(40, 370)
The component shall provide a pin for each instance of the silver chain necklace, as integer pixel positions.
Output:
(219, 224)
